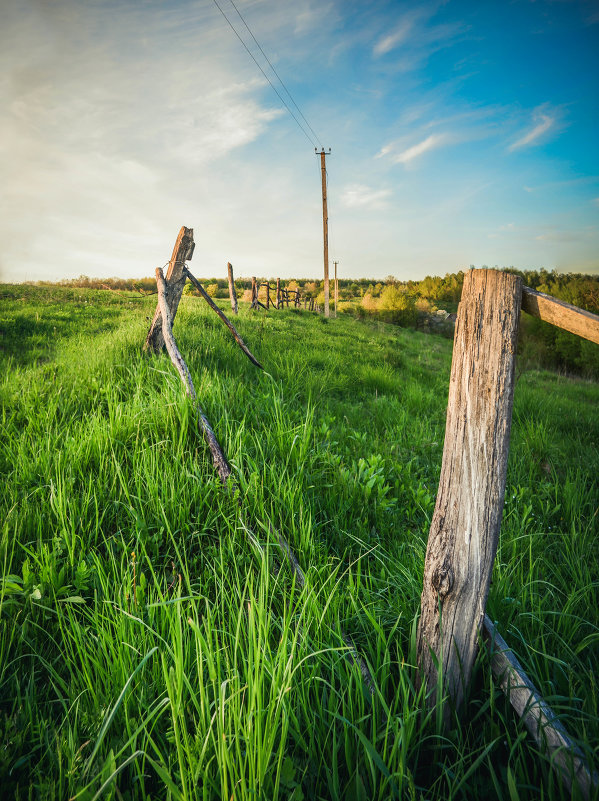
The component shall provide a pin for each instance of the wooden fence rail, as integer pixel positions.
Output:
(563, 315)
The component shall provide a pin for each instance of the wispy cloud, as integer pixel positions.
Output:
(545, 120)
(430, 143)
(359, 195)
(392, 40)
(417, 36)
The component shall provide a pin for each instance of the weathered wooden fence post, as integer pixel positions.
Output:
(254, 303)
(465, 527)
(267, 295)
(232, 293)
(278, 293)
(175, 281)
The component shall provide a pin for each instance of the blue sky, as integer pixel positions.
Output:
(461, 133)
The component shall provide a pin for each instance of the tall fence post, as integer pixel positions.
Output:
(254, 293)
(232, 293)
(464, 531)
(175, 281)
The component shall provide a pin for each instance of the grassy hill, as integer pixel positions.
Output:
(146, 648)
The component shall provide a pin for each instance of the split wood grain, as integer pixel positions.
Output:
(563, 315)
(175, 281)
(465, 527)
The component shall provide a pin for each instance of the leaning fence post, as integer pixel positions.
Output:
(232, 293)
(175, 281)
(465, 527)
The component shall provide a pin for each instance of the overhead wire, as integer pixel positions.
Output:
(308, 137)
(270, 64)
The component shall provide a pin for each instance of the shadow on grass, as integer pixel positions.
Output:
(30, 336)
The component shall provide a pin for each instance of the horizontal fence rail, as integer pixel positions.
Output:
(563, 315)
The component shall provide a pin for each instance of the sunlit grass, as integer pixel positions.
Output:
(147, 650)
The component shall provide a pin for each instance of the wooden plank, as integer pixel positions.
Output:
(541, 722)
(232, 293)
(563, 315)
(465, 527)
(175, 281)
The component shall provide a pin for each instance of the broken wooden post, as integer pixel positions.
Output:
(465, 527)
(175, 281)
(219, 460)
(232, 293)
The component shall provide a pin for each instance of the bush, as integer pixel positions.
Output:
(397, 306)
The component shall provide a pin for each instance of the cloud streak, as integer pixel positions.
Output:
(430, 143)
(360, 196)
(545, 121)
(392, 40)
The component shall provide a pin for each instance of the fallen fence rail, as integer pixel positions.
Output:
(542, 724)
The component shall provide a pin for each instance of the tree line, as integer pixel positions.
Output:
(408, 303)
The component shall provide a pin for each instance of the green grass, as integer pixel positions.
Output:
(148, 651)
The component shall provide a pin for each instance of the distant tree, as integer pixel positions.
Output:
(397, 306)
(369, 302)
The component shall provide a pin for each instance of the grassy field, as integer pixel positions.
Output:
(147, 651)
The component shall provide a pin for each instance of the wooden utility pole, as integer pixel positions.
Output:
(325, 228)
(336, 288)
(465, 527)
(232, 293)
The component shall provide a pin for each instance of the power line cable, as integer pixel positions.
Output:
(308, 137)
(318, 139)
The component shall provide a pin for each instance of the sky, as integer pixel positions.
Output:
(461, 133)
